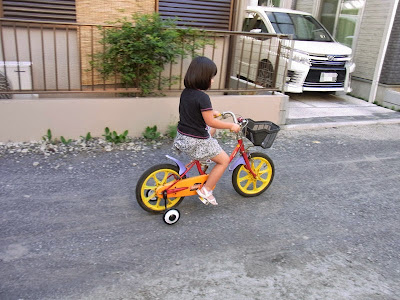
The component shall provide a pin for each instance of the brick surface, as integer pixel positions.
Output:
(101, 12)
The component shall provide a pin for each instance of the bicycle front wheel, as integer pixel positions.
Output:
(148, 183)
(243, 181)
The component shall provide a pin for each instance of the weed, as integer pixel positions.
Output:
(171, 131)
(114, 137)
(48, 136)
(65, 141)
(88, 137)
(151, 133)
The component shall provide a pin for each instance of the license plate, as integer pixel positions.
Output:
(328, 77)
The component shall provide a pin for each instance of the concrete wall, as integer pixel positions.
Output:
(28, 120)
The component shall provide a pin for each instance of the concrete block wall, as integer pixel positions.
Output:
(28, 120)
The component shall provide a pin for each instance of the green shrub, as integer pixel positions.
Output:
(139, 52)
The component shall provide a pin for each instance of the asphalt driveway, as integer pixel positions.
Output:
(328, 227)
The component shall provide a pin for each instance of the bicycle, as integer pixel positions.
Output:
(163, 187)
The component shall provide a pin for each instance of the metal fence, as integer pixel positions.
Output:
(55, 58)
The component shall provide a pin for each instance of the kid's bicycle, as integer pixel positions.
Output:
(163, 187)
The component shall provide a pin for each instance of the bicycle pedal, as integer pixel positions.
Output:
(204, 201)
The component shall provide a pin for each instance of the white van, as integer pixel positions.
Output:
(318, 62)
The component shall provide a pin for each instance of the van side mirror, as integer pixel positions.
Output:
(256, 30)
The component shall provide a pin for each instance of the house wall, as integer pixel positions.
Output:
(101, 12)
(369, 43)
(371, 37)
(390, 71)
(305, 5)
(29, 120)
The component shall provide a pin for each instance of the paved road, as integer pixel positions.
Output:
(328, 227)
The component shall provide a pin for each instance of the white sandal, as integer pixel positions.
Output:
(206, 196)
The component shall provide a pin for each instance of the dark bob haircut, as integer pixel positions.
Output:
(200, 73)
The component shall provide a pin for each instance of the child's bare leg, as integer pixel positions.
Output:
(222, 162)
(212, 131)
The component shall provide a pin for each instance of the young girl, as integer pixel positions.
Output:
(197, 123)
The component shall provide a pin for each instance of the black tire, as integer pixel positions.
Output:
(244, 183)
(147, 185)
(265, 74)
(171, 216)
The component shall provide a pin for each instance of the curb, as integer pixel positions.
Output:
(337, 124)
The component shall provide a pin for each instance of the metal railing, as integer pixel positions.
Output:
(49, 57)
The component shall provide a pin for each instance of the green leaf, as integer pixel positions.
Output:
(88, 136)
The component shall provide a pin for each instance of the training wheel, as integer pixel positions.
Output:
(171, 216)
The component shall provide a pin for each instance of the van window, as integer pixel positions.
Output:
(302, 27)
(253, 22)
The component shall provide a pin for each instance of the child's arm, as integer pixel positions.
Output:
(208, 117)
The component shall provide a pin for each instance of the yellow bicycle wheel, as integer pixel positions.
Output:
(147, 184)
(243, 181)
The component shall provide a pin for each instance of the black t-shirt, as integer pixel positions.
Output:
(191, 105)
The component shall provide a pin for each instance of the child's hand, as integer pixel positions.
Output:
(235, 127)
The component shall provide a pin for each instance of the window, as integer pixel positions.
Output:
(275, 3)
(253, 23)
(40, 10)
(302, 27)
(341, 17)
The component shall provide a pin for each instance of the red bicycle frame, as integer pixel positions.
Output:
(187, 186)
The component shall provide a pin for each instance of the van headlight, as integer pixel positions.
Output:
(301, 57)
(350, 65)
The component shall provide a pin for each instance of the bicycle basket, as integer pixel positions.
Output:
(261, 133)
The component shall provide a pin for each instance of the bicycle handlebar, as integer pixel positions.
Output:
(223, 114)
(238, 120)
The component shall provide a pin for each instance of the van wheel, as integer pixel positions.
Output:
(265, 74)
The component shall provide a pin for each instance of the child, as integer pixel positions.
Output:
(197, 123)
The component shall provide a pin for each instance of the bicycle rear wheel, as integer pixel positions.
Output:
(243, 181)
(148, 183)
